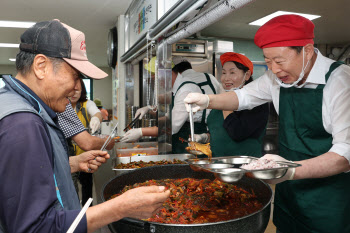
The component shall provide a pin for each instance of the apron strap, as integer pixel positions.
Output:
(208, 82)
(83, 111)
(184, 83)
(334, 66)
(200, 85)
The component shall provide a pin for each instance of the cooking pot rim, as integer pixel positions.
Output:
(267, 205)
(204, 224)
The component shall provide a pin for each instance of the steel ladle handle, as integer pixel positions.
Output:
(191, 122)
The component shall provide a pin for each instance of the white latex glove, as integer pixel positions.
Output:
(289, 174)
(201, 138)
(142, 111)
(198, 101)
(132, 135)
(94, 124)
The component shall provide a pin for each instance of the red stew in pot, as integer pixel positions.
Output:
(194, 201)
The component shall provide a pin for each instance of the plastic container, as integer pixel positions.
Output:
(136, 149)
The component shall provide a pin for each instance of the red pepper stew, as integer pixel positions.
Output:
(194, 201)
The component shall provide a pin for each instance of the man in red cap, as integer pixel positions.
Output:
(311, 95)
(37, 192)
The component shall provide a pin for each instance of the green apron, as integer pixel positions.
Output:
(178, 147)
(309, 205)
(222, 145)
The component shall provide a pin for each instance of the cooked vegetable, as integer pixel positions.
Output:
(139, 164)
(194, 201)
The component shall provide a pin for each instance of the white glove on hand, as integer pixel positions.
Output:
(201, 138)
(132, 135)
(142, 111)
(198, 101)
(94, 124)
(289, 174)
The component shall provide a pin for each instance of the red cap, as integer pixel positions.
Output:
(285, 31)
(230, 56)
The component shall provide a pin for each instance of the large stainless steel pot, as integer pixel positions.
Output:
(254, 223)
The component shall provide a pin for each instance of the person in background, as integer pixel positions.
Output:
(311, 94)
(184, 81)
(88, 114)
(240, 132)
(73, 129)
(37, 193)
(102, 110)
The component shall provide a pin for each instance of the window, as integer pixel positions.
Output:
(88, 86)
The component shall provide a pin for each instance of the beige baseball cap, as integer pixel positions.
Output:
(55, 39)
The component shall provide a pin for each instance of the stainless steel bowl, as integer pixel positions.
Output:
(266, 174)
(236, 160)
(229, 175)
(212, 166)
(272, 173)
(196, 164)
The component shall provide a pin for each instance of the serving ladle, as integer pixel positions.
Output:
(194, 152)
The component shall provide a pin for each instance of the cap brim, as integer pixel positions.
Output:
(87, 68)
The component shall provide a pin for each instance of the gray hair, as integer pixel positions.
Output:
(24, 61)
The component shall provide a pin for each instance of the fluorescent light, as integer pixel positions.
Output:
(263, 20)
(9, 45)
(15, 24)
(12, 59)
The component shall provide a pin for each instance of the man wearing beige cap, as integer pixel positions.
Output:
(311, 95)
(37, 193)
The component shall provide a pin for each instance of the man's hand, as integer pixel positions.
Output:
(142, 202)
(141, 112)
(198, 101)
(289, 174)
(88, 161)
(132, 135)
(94, 124)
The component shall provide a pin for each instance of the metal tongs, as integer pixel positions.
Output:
(110, 137)
(131, 124)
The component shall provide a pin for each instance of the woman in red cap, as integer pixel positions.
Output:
(235, 133)
(311, 94)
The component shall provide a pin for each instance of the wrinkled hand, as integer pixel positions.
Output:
(201, 138)
(142, 202)
(132, 135)
(289, 174)
(88, 161)
(141, 112)
(94, 124)
(198, 101)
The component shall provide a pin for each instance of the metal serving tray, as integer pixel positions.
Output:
(231, 172)
(147, 158)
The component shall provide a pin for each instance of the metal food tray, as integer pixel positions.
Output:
(147, 158)
(227, 169)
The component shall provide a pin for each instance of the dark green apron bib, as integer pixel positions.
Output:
(177, 146)
(309, 205)
(222, 145)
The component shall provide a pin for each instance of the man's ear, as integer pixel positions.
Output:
(41, 66)
(249, 73)
(309, 51)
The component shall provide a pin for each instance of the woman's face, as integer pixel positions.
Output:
(232, 76)
(74, 99)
